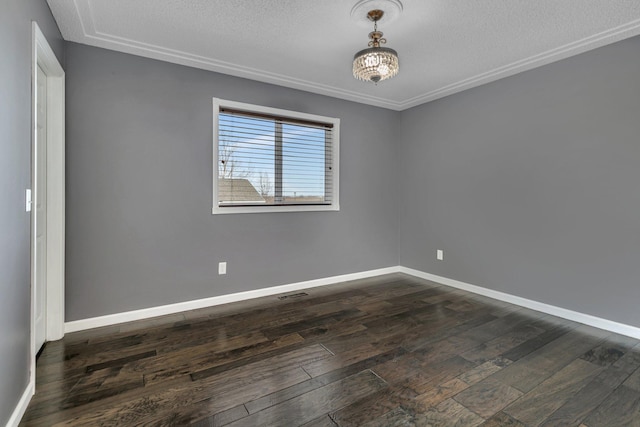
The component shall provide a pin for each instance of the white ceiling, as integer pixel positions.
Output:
(445, 46)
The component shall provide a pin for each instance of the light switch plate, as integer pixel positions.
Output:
(28, 201)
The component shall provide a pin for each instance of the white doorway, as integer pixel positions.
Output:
(47, 213)
(39, 218)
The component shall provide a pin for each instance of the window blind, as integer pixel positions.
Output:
(270, 160)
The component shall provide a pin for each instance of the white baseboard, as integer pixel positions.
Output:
(21, 407)
(145, 313)
(587, 319)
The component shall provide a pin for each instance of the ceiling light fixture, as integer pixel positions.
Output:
(375, 63)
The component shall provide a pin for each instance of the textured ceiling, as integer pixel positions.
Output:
(445, 46)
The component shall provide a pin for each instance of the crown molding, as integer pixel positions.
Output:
(91, 36)
(571, 49)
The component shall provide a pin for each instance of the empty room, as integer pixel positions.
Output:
(320, 213)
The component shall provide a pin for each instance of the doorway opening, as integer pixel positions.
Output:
(48, 195)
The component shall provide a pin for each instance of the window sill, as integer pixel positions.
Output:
(217, 210)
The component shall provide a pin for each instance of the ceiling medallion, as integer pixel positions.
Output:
(375, 63)
(392, 10)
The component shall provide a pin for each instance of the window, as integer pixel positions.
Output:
(269, 160)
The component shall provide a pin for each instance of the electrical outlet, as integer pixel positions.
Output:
(222, 267)
(440, 255)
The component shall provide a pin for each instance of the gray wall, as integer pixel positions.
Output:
(15, 177)
(139, 227)
(531, 185)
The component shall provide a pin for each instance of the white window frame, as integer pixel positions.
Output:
(335, 158)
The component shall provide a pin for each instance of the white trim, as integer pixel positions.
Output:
(91, 36)
(335, 158)
(586, 44)
(22, 405)
(587, 319)
(252, 108)
(42, 55)
(145, 313)
(216, 210)
(55, 207)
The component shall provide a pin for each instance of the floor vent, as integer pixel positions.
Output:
(298, 295)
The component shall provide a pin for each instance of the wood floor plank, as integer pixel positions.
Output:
(578, 406)
(483, 371)
(531, 370)
(603, 355)
(349, 356)
(323, 421)
(222, 418)
(441, 392)
(311, 405)
(535, 343)
(499, 345)
(398, 417)
(65, 352)
(208, 395)
(535, 406)
(326, 332)
(277, 349)
(448, 413)
(311, 384)
(445, 390)
(632, 356)
(120, 362)
(179, 405)
(373, 407)
(100, 384)
(301, 325)
(487, 397)
(208, 360)
(500, 326)
(383, 351)
(621, 408)
(634, 380)
(458, 326)
(421, 375)
(49, 398)
(502, 420)
(445, 349)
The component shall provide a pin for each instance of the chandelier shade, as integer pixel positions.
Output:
(375, 63)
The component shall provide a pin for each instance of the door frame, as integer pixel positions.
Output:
(42, 55)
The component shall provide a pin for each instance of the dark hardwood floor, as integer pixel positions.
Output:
(388, 351)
